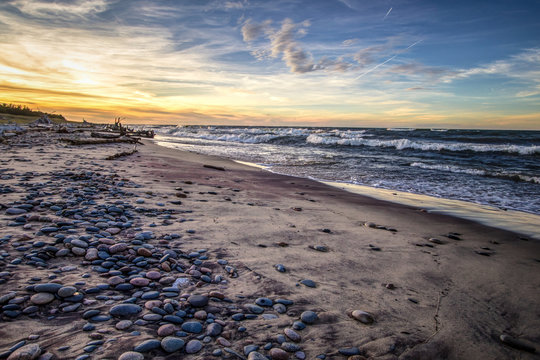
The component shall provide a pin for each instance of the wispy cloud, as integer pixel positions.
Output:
(387, 13)
(59, 9)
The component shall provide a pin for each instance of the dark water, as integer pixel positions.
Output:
(497, 168)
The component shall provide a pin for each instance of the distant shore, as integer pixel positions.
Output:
(161, 253)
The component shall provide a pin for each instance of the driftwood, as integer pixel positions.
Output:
(214, 167)
(108, 135)
(102, 141)
(121, 154)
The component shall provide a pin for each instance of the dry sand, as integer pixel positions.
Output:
(449, 299)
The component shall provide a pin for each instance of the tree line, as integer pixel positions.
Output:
(25, 110)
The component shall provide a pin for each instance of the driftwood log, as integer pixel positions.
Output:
(128, 140)
(121, 154)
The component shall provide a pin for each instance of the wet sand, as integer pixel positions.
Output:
(435, 286)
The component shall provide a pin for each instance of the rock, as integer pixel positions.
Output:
(139, 281)
(91, 254)
(131, 355)
(144, 252)
(42, 298)
(78, 251)
(263, 301)
(308, 283)
(148, 345)
(278, 354)
(256, 356)
(280, 268)
(153, 275)
(27, 352)
(309, 317)
(113, 230)
(349, 351)
(214, 329)
(122, 310)
(293, 335)
(290, 347)
(198, 300)
(254, 309)
(193, 327)
(123, 324)
(116, 248)
(166, 330)
(115, 280)
(48, 287)
(193, 346)
(66, 291)
(362, 316)
(15, 211)
(171, 344)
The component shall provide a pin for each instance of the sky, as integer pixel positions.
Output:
(351, 63)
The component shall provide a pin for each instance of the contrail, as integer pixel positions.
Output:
(388, 13)
(387, 60)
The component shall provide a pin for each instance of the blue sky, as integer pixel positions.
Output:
(332, 63)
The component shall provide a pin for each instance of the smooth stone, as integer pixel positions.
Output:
(280, 308)
(171, 344)
(309, 317)
(250, 348)
(254, 355)
(166, 330)
(278, 354)
(149, 295)
(123, 324)
(131, 355)
(214, 329)
(79, 243)
(27, 352)
(362, 316)
(91, 254)
(280, 268)
(15, 211)
(293, 335)
(349, 351)
(290, 347)
(193, 346)
(144, 252)
(121, 310)
(198, 300)
(254, 309)
(66, 291)
(116, 248)
(193, 327)
(308, 283)
(48, 287)
(153, 275)
(139, 281)
(148, 345)
(42, 298)
(298, 325)
(262, 301)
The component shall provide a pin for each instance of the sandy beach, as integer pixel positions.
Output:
(164, 254)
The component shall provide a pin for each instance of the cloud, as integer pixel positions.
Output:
(283, 44)
(44, 9)
(251, 31)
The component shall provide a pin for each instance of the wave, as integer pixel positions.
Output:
(401, 144)
(479, 172)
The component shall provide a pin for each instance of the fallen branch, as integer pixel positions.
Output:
(121, 154)
(102, 141)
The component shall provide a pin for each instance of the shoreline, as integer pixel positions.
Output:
(520, 222)
(432, 285)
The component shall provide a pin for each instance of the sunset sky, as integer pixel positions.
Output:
(464, 64)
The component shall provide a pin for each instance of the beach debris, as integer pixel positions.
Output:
(128, 140)
(321, 248)
(219, 168)
(280, 268)
(516, 343)
(308, 283)
(436, 241)
(121, 154)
